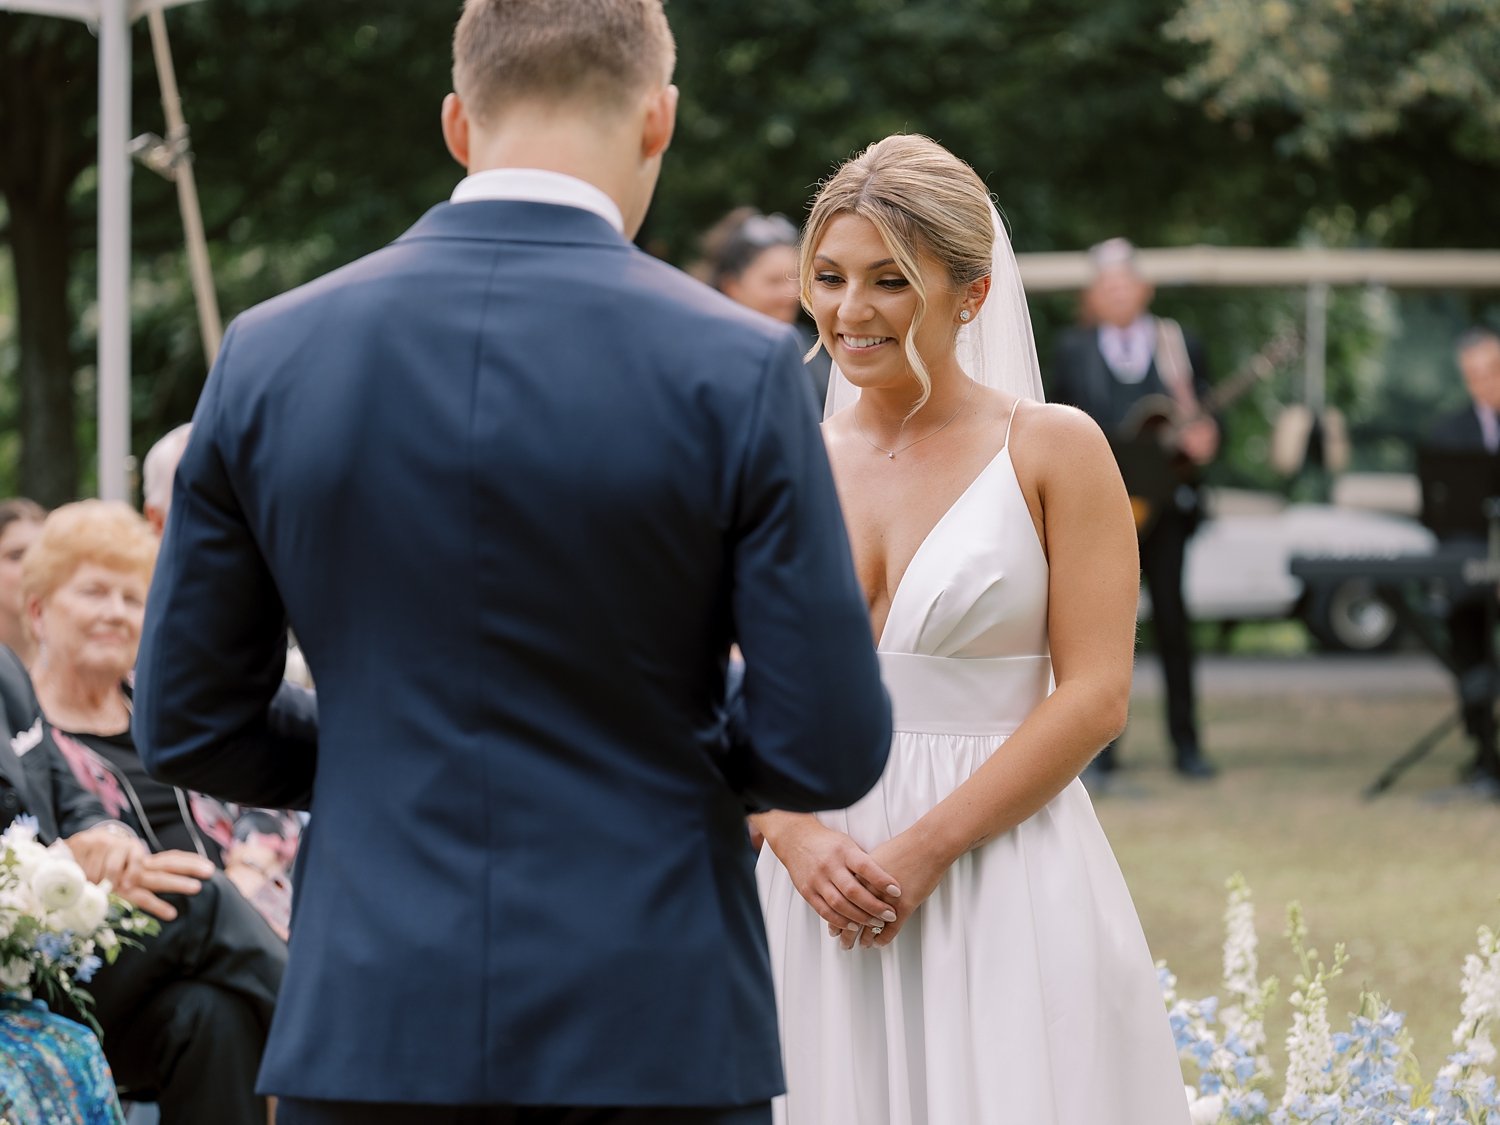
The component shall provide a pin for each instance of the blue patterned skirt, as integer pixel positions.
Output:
(52, 1070)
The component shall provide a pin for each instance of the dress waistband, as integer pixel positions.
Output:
(958, 695)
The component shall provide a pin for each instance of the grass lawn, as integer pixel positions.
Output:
(1403, 881)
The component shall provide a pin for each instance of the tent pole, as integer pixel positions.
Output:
(114, 251)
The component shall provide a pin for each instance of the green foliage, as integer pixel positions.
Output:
(1397, 100)
(1348, 69)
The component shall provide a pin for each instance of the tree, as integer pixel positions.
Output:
(314, 134)
(45, 146)
(1397, 102)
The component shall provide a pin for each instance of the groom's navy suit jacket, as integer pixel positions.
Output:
(517, 486)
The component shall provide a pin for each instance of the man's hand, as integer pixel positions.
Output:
(1200, 440)
(171, 872)
(108, 852)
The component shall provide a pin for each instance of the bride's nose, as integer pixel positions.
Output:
(855, 307)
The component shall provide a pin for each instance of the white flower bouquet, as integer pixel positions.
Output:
(1366, 1075)
(56, 927)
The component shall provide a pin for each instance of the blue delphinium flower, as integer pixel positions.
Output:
(52, 947)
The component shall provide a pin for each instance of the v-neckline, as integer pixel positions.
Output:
(931, 533)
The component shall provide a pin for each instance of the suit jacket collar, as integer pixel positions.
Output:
(504, 220)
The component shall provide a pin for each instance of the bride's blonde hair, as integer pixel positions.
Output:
(920, 198)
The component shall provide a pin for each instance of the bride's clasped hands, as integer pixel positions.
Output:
(865, 897)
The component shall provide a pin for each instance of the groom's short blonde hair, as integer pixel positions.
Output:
(595, 52)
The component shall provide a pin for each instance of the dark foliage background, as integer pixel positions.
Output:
(315, 132)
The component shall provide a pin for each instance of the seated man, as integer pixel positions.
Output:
(1475, 427)
(185, 1016)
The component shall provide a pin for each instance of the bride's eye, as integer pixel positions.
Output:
(893, 283)
(827, 279)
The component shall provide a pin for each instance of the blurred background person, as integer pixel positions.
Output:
(157, 473)
(752, 258)
(85, 582)
(1475, 427)
(20, 521)
(1109, 367)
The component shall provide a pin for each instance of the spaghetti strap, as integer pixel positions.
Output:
(1011, 422)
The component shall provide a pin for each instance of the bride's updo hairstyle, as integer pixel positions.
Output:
(922, 199)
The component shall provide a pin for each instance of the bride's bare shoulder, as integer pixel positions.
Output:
(1052, 441)
(1054, 427)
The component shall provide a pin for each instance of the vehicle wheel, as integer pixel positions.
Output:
(1347, 616)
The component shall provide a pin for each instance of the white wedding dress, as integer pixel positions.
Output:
(1022, 991)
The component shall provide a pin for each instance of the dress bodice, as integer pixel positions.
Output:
(964, 649)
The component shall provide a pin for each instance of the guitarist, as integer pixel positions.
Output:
(1122, 356)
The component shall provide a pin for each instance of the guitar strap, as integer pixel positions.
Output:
(1174, 366)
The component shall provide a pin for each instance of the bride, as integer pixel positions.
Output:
(959, 947)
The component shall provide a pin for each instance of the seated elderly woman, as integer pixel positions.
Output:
(185, 1014)
(84, 583)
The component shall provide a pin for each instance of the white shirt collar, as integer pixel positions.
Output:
(1489, 427)
(537, 185)
(1129, 350)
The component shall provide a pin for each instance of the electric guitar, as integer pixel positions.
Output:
(1148, 445)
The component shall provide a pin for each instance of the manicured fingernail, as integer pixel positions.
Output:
(893, 890)
(852, 926)
(889, 915)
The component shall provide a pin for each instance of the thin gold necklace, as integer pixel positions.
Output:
(891, 453)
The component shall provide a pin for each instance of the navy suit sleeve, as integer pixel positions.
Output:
(815, 728)
(214, 646)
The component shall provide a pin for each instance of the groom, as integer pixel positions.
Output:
(517, 487)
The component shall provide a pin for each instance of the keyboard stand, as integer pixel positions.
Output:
(1441, 647)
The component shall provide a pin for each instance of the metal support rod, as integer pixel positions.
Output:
(114, 250)
(210, 327)
(1315, 392)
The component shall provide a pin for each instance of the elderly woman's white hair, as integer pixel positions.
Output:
(158, 472)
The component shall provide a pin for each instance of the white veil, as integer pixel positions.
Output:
(996, 350)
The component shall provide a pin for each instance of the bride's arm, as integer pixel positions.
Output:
(1093, 587)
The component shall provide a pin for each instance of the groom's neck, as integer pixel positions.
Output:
(556, 143)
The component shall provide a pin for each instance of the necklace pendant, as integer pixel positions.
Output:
(890, 455)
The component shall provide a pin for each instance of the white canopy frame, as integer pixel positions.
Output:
(112, 20)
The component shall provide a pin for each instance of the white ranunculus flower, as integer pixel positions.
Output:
(58, 883)
(1207, 1110)
(29, 856)
(88, 913)
(14, 975)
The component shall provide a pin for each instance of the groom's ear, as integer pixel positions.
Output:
(661, 120)
(456, 129)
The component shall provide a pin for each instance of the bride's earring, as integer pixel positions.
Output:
(964, 315)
